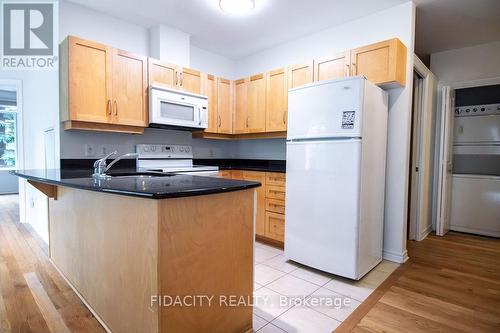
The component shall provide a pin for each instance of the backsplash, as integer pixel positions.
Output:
(86, 144)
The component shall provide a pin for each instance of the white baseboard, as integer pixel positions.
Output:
(425, 233)
(400, 258)
(490, 233)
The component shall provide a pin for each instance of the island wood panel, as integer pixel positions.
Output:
(107, 249)
(206, 248)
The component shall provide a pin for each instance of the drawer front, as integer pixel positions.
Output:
(237, 174)
(275, 192)
(274, 205)
(225, 173)
(275, 226)
(275, 178)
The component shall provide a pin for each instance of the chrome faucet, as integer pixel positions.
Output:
(100, 166)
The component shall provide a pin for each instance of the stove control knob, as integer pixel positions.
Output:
(475, 109)
(188, 149)
(146, 149)
(181, 149)
(153, 148)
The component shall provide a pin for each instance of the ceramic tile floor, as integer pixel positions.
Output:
(293, 298)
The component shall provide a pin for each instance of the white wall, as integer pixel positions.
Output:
(40, 111)
(398, 22)
(212, 63)
(467, 64)
(169, 45)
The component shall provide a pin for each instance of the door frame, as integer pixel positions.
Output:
(20, 157)
(420, 222)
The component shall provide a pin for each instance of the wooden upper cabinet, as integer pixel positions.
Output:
(277, 100)
(210, 87)
(332, 67)
(86, 81)
(102, 88)
(257, 104)
(224, 106)
(382, 63)
(162, 73)
(129, 103)
(240, 106)
(300, 74)
(190, 80)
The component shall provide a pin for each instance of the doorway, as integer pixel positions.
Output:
(421, 171)
(415, 157)
(10, 135)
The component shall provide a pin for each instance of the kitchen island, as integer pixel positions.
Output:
(154, 253)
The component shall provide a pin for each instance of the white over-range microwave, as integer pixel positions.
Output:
(171, 108)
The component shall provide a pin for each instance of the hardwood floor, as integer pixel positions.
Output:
(33, 296)
(450, 284)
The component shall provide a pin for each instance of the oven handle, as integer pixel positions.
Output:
(199, 116)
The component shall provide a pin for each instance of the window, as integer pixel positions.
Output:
(8, 118)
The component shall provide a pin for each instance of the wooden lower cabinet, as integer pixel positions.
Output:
(261, 198)
(270, 214)
(275, 226)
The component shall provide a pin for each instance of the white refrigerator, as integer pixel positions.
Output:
(335, 168)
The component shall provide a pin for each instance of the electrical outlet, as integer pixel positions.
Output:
(89, 150)
(103, 150)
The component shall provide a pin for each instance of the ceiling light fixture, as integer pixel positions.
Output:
(237, 6)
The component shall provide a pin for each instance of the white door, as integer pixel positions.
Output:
(445, 161)
(326, 109)
(322, 204)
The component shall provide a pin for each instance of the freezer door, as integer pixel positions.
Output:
(322, 204)
(326, 109)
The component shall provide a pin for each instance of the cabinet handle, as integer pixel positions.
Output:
(116, 107)
(176, 78)
(220, 121)
(108, 107)
(182, 78)
(347, 70)
(284, 116)
(247, 122)
(353, 70)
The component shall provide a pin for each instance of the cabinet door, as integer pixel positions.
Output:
(275, 226)
(190, 80)
(240, 106)
(224, 106)
(162, 73)
(277, 100)
(129, 89)
(89, 83)
(381, 63)
(210, 87)
(332, 67)
(300, 74)
(257, 104)
(261, 199)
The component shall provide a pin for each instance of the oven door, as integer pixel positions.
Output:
(174, 110)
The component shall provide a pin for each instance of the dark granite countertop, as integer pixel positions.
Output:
(158, 187)
(244, 164)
